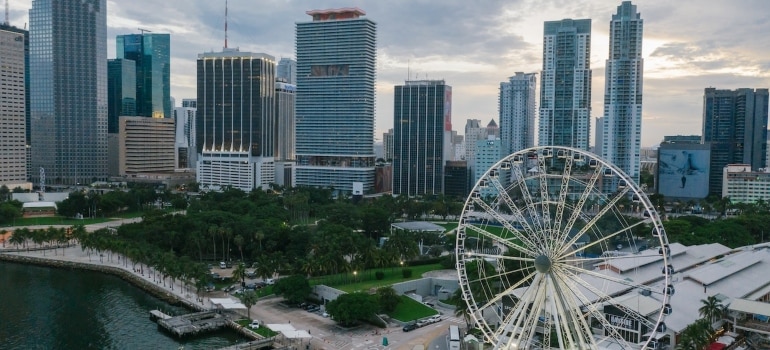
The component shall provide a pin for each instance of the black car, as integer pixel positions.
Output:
(410, 327)
(313, 308)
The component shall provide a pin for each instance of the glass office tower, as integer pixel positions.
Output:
(336, 72)
(121, 87)
(68, 90)
(152, 54)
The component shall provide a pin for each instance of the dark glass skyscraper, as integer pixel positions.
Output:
(422, 113)
(68, 90)
(336, 72)
(235, 122)
(121, 87)
(735, 123)
(152, 54)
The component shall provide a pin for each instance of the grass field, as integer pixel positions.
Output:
(410, 310)
(59, 220)
(366, 280)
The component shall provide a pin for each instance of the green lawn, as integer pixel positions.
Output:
(449, 226)
(365, 280)
(263, 331)
(60, 220)
(410, 310)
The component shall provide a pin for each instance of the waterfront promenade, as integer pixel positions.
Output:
(324, 332)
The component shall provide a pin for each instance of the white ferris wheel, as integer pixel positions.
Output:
(557, 248)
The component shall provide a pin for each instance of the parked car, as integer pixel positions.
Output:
(269, 281)
(313, 308)
(410, 327)
(254, 324)
(325, 314)
(251, 274)
(230, 288)
(435, 319)
(222, 265)
(421, 323)
(251, 286)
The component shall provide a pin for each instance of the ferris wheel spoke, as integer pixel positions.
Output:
(591, 306)
(544, 195)
(525, 321)
(569, 288)
(516, 233)
(607, 208)
(605, 238)
(508, 291)
(563, 191)
(585, 260)
(529, 203)
(569, 317)
(515, 210)
(602, 276)
(606, 298)
(578, 209)
(511, 319)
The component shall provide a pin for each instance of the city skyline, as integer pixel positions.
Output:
(688, 46)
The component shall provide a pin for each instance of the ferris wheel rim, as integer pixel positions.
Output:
(560, 278)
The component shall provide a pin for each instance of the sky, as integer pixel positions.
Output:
(475, 44)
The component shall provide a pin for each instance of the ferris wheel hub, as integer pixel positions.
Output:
(543, 264)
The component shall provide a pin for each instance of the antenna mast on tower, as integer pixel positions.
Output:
(225, 23)
(7, 21)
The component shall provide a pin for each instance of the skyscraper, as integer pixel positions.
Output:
(235, 121)
(285, 98)
(25, 33)
(68, 90)
(287, 71)
(473, 132)
(336, 73)
(184, 140)
(735, 123)
(622, 129)
(152, 54)
(565, 89)
(422, 112)
(517, 112)
(13, 150)
(121, 91)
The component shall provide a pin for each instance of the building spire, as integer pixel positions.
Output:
(7, 14)
(225, 23)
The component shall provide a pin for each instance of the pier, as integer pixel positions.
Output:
(190, 324)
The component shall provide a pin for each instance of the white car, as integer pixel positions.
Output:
(270, 281)
(435, 319)
(254, 324)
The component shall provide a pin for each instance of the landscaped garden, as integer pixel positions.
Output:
(367, 279)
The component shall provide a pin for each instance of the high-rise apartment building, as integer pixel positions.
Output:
(287, 71)
(68, 90)
(186, 156)
(473, 132)
(285, 96)
(336, 74)
(121, 91)
(517, 112)
(387, 145)
(421, 129)
(13, 149)
(9, 28)
(622, 131)
(235, 121)
(190, 102)
(152, 54)
(735, 124)
(565, 88)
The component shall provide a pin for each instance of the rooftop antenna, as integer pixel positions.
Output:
(408, 73)
(142, 30)
(7, 22)
(225, 23)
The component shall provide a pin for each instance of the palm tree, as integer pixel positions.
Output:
(249, 298)
(238, 240)
(711, 309)
(239, 273)
(461, 308)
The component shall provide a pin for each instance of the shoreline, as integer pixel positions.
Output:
(144, 283)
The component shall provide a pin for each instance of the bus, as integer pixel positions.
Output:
(454, 338)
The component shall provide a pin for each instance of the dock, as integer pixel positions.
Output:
(158, 315)
(253, 345)
(191, 324)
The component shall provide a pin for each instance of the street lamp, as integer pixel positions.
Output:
(355, 274)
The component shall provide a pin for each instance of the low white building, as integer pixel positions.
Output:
(743, 185)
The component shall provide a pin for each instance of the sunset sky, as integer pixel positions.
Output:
(474, 45)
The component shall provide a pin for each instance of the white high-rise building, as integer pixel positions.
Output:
(186, 156)
(517, 112)
(622, 132)
(565, 89)
(286, 71)
(473, 132)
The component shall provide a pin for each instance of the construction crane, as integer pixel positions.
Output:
(142, 30)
